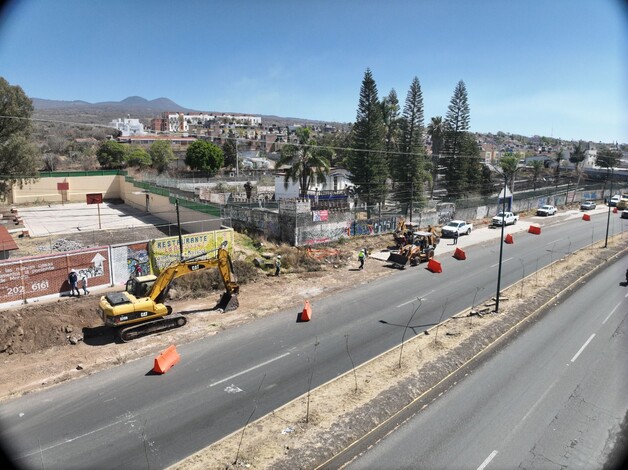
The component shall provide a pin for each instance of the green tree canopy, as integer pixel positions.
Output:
(111, 155)
(161, 155)
(608, 158)
(307, 163)
(229, 152)
(138, 157)
(367, 163)
(204, 156)
(19, 158)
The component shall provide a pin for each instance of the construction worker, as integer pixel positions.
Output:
(277, 265)
(361, 257)
(456, 237)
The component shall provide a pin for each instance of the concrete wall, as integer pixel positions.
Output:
(44, 190)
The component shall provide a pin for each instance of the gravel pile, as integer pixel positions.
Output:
(61, 245)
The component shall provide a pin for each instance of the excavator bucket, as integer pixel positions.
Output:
(398, 258)
(228, 302)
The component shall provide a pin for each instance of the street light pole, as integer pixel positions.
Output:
(501, 245)
(608, 218)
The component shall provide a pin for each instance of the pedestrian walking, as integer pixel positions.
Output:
(73, 280)
(456, 237)
(361, 257)
(277, 265)
(84, 284)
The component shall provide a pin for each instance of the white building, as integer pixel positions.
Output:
(336, 180)
(128, 126)
(180, 122)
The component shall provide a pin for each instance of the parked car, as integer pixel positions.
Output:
(587, 205)
(506, 218)
(624, 214)
(614, 200)
(546, 210)
(456, 226)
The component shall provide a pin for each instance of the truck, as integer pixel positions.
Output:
(140, 310)
(456, 226)
(506, 218)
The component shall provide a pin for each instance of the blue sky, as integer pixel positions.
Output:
(544, 67)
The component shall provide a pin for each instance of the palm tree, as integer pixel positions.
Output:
(537, 167)
(577, 157)
(435, 129)
(307, 163)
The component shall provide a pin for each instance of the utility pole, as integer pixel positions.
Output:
(411, 198)
(179, 228)
(501, 244)
(608, 218)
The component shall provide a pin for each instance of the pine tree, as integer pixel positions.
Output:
(456, 142)
(408, 170)
(367, 163)
(392, 124)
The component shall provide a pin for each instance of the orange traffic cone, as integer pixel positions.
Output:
(166, 359)
(508, 239)
(306, 314)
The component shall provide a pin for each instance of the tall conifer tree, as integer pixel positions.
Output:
(367, 163)
(408, 170)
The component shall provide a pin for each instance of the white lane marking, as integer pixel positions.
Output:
(414, 300)
(497, 264)
(612, 311)
(488, 460)
(573, 359)
(250, 369)
(233, 389)
(72, 439)
(551, 243)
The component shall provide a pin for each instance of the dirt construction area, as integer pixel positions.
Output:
(45, 344)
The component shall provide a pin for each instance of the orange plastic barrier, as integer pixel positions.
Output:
(434, 266)
(459, 254)
(166, 359)
(586, 217)
(306, 314)
(535, 229)
(508, 239)
(614, 210)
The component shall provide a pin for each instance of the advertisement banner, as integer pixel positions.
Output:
(164, 251)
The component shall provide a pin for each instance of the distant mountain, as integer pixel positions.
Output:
(135, 107)
(127, 105)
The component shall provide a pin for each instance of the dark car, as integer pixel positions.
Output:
(587, 205)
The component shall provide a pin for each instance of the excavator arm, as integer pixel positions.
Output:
(195, 264)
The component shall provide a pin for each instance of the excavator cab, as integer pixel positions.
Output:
(140, 286)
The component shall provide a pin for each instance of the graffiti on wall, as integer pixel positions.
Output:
(31, 278)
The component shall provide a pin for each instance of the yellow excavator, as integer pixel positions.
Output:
(140, 309)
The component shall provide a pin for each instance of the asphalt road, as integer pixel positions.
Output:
(553, 398)
(128, 418)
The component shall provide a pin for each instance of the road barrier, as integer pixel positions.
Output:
(166, 359)
(459, 254)
(434, 266)
(509, 239)
(535, 229)
(586, 217)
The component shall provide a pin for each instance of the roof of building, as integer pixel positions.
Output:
(6, 240)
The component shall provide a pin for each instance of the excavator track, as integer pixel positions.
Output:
(159, 325)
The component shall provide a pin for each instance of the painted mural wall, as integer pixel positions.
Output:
(46, 276)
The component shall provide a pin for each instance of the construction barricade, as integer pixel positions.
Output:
(535, 229)
(460, 254)
(166, 359)
(434, 266)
